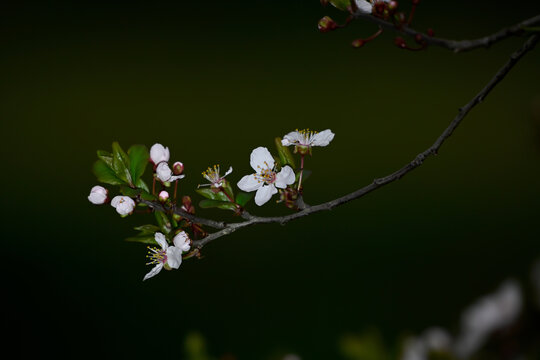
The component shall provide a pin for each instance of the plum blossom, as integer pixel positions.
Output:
(98, 195)
(265, 180)
(213, 175)
(124, 205)
(306, 138)
(168, 257)
(159, 154)
(165, 174)
(366, 6)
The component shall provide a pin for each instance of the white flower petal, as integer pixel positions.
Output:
(364, 6)
(261, 159)
(249, 183)
(181, 240)
(174, 257)
(159, 153)
(228, 171)
(98, 195)
(323, 138)
(292, 138)
(164, 172)
(160, 239)
(155, 270)
(285, 177)
(264, 194)
(116, 200)
(176, 177)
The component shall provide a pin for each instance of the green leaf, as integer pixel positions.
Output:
(163, 222)
(138, 159)
(341, 4)
(143, 238)
(120, 163)
(105, 174)
(225, 205)
(210, 194)
(127, 191)
(106, 156)
(148, 229)
(142, 185)
(243, 197)
(285, 156)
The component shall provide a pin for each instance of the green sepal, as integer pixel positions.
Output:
(341, 4)
(210, 194)
(144, 238)
(105, 174)
(120, 163)
(285, 156)
(138, 159)
(243, 197)
(225, 205)
(163, 222)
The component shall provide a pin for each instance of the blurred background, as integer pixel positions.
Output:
(213, 80)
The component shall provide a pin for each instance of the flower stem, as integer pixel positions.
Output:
(175, 190)
(154, 185)
(227, 195)
(301, 171)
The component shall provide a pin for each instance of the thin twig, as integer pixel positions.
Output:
(454, 45)
(229, 228)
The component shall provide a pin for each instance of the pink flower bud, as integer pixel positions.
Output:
(159, 153)
(358, 43)
(178, 168)
(98, 195)
(393, 5)
(163, 196)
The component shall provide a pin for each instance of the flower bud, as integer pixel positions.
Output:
(418, 38)
(400, 42)
(430, 32)
(178, 168)
(124, 205)
(358, 43)
(392, 5)
(159, 153)
(98, 195)
(326, 24)
(163, 196)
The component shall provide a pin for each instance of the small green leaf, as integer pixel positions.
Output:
(285, 156)
(225, 205)
(163, 222)
(148, 229)
(143, 238)
(105, 174)
(120, 163)
(127, 191)
(243, 197)
(210, 194)
(138, 159)
(341, 4)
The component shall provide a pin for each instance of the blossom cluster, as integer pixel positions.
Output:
(173, 233)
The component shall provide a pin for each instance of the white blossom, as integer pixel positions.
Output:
(124, 205)
(165, 174)
(169, 257)
(182, 241)
(265, 180)
(214, 177)
(308, 138)
(98, 195)
(159, 153)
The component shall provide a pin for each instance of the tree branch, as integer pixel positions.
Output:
(229, 228)
(456, 46)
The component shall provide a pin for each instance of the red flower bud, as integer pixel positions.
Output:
(418, 38)
(358, 43)
(392, 5)
(430, 32)
(326, 24)
(178, 168)
(400, 42)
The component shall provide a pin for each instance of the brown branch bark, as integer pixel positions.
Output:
(454, 45)
(226, 229)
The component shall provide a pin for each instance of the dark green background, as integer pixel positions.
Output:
(213, 80)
